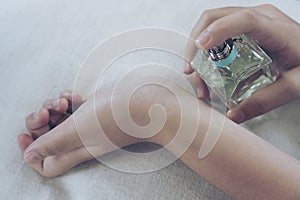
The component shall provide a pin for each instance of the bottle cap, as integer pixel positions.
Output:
(222, 55)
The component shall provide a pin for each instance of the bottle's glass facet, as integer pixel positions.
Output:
(235, 70)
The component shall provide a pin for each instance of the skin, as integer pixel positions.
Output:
(233, 165)
(277, 33)
(241, 164)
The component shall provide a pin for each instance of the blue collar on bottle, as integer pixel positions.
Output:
(226, 61)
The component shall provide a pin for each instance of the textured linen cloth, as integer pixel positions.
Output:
(43, 43)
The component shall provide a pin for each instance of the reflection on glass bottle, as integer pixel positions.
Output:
(235, 69)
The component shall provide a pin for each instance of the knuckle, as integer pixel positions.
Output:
(257, 107)
(49, 150)
(252, 107)
(268, 6)
(208, 16)
(294, 82)
(205, 18)
(250, 15)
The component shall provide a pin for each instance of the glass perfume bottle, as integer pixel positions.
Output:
(235, 69)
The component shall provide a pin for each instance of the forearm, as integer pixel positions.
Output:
(242, 164)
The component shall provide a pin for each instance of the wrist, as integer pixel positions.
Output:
(185, 124)
(157, 107)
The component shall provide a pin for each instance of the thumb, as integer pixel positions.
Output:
(61, 139)
(283, 91)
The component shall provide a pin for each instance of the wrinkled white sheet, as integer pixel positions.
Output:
(42, 44)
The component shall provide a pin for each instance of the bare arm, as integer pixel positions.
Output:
(241, 164)
(244, 165)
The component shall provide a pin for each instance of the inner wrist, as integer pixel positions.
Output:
(184, 122)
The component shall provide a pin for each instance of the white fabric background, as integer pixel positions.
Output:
(42, 44)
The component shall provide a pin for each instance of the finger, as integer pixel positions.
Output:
(24, 140)
(210, 16)
(283, 91)
(75, 100)
(58, 164)
(72, 96)
(38, 123)
(56, 106)
(37, 120)
(204, 21)
(190, 51)
(59, 140)
(256, 25)
(57, 110)
(40, 131)
(201, 87)
(273, 12)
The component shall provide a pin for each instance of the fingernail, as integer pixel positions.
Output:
(36, 115)
(55, 103)
(199, 92)
(237, 116)
(202, 39)
(185, 67)
(32, 157)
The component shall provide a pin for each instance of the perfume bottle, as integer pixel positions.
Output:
(235, 69)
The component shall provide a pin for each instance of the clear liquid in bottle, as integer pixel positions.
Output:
(235, 69)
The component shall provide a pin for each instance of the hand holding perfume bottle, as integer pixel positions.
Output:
(263, 26)
(235, 69)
